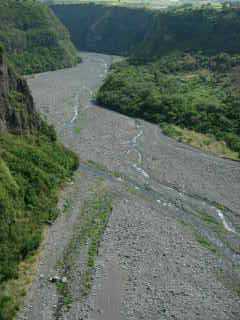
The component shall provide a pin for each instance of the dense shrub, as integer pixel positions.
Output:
(195, 91)
(34, 38)
(147, 34)
(31, 171)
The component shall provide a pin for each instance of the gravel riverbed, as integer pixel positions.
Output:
(171, 249)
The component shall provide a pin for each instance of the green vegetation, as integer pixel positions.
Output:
(189, 28)
(210, 220)
(193, 91)
(77, 130)
(86, 238)
(31, 170)
(205, 142)
(147, 34)
(33, 165)
(183, 70)
(205, 243)
(96, 212)
(34, 38)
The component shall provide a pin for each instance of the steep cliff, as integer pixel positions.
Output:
(17, 112)
(34, 37)
(33, 165)
(98, 28)
(147, 34)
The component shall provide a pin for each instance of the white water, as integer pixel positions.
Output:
(76, 107)
(141, 171)
(134, 140)
(225, 224)
(140, 159)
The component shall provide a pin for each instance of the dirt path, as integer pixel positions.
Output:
(171, 249)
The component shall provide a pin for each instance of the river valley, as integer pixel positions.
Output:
(171, 247)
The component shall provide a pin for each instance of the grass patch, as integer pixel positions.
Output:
(34, 38)
(97, 166)
(64, 292)
(191, 91)
(205, 243)
(77, 130)
(87, 237)
(209, 219)
(14, 290)
(220, 206)
(66, 205)
(214, 225)
(200, 141)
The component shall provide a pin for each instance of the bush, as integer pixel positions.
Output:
(34, 38)
(194, 91)
(31, 170)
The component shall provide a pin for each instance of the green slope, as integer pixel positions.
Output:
(147, 34)
(34, 38)
(193, 91)
(33, 165)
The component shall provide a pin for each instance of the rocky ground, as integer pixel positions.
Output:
(171, 248)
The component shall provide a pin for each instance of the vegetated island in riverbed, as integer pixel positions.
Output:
(190, 89)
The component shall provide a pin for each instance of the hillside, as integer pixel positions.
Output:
(196, 92)
(34, 38)
(97, 28)
(32, 167)
(183, 67)
(170, 249)
(147, 34)
(162, 216)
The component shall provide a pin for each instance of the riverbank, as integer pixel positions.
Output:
(166, 251)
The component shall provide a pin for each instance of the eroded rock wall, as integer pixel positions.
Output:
(17, 111)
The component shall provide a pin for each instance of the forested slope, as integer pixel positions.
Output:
(149, 34)
(192, 91)
(183, 67)
(33, 165)
(34, 37)
(103, 28)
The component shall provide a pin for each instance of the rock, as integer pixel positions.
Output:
(64, 280)
(58, 279)
(54, 279)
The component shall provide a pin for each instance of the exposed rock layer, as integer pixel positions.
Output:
(17, 111)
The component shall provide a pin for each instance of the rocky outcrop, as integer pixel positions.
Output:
(147, 34)
(17, 111)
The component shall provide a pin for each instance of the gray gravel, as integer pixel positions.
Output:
(150, 265)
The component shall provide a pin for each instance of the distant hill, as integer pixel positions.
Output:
(147, 34)
(34, 38)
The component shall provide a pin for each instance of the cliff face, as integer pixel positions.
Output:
(146, 34)
(17, 112)
(33, 165)
(97, 28)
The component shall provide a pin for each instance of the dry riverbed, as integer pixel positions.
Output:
(149, 227)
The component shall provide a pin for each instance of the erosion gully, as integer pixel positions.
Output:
(196, 191)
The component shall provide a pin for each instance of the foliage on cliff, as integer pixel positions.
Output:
(193, 91)
(98, 28)
(147, 34)
(33, 165)
(34, 38)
